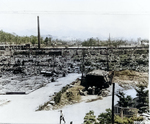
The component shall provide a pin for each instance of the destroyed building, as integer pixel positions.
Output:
(97, 78)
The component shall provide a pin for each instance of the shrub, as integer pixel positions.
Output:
(118, 120)
(64, 89)
(126, 120)
(105, 117)
(90, 118)
(57, 97)
(70, 96)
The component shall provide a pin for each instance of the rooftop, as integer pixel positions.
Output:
(98, 73)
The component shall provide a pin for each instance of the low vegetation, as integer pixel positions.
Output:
(105, 118)
(41, 107)
(126, 120)
(126, 72)
(124, 101)
(58, 95)
(68, 95)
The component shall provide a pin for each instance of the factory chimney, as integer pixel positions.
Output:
(38, 32)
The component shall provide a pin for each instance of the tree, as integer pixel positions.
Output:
(33, 39)
(41, 40)
(124, 101)
(105, 118)
(50, 40)
(14, 38)
(142, 100)
(46, 41)
(90, 118)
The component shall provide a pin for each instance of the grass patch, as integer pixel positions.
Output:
(128, 78)
(72, 94)
(57, 97)
(126, 73)
(69, 94)
(41, 107)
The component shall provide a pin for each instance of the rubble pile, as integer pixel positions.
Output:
(118, 59)
(25, 73)
(51, 65)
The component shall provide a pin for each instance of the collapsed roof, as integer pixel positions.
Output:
(98, 73)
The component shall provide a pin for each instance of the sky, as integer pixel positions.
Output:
(77, 19)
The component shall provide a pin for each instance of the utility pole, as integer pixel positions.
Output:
(113, 103)
(113, 87)
(38, 32)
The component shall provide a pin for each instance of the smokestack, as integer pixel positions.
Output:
(38, 32)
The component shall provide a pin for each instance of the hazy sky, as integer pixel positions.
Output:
(81, 19)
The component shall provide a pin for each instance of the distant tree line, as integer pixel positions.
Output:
(109, 42)
(98, 42)
(12, 38)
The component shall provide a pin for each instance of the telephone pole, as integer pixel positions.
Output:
(113, 89)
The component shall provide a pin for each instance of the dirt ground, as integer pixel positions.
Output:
(130, 79)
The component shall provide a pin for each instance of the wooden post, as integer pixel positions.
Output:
(38, 32)
(121, 113)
